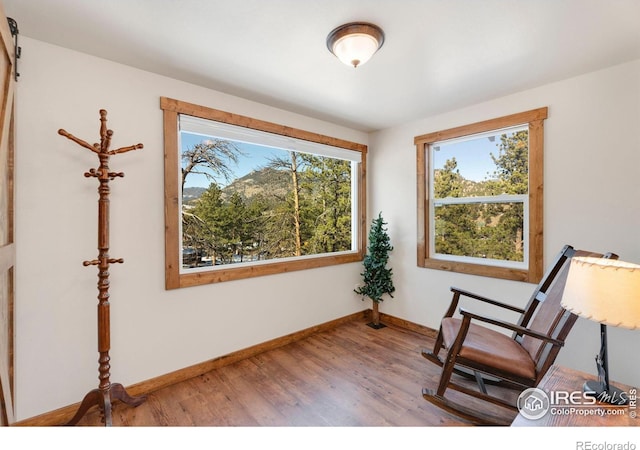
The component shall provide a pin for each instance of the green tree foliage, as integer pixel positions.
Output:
(328, 184)
(484, 230)
(377, 276)
(308, 214)
(512, 163)
(233, 224)
(454, 223)
(206, 214)
(448, 181)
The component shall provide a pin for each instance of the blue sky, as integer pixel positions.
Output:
(256, 156)
(473, 157)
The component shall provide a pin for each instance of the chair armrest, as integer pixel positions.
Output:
(511, 326)
(486, 300)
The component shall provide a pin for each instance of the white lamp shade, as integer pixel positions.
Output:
(604, 290)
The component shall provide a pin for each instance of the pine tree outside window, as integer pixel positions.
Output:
(480, 197)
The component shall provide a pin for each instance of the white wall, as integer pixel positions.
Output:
(591, 191)
(153, 331)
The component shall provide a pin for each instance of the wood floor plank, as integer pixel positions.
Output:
(351, 375)
(313, 390)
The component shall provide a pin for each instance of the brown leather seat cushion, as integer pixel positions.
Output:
(489, 347)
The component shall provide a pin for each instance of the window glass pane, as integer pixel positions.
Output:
(485, 164)
(480, 230)
(248, 203)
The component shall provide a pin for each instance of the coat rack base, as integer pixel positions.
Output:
(104, 398)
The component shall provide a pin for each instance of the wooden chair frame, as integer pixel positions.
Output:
(550, 344)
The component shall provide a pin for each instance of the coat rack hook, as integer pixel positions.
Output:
(13, 27)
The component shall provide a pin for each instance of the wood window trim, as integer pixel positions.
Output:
(535, 120)
(173, 277)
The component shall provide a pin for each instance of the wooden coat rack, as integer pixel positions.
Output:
(106, 392)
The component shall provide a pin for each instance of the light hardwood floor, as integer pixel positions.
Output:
(352, 375)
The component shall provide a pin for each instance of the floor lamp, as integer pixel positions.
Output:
(605, 291)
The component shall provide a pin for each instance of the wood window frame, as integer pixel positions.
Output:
(173, 277)
(535, 121)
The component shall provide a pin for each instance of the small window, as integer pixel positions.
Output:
(480, 198)
(248, 198)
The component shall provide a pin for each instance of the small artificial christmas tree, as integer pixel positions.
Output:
(376, 275)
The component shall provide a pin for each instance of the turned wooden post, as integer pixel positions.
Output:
(106, 392)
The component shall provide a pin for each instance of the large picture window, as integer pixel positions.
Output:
(480, 197)
(247, 198)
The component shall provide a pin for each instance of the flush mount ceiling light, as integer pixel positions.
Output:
(355, 43)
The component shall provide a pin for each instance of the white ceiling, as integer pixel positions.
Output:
(438, 55)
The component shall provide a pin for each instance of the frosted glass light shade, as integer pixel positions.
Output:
(355, 43)
(604, 290)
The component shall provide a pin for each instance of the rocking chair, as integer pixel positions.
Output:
(491, 357)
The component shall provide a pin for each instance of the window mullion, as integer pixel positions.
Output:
(504, 198)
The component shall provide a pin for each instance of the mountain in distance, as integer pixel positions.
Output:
(266, 181)
(192, 193)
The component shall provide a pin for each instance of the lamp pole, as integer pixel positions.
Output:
(601, 389)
